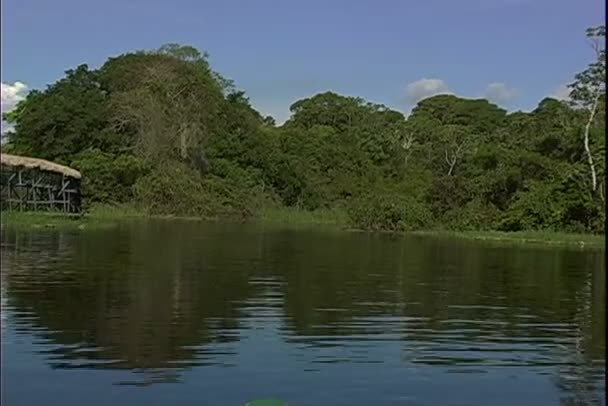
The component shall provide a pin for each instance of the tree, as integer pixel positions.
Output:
(455, 143)
(588, 89)
(168, 101)
(163, 131)
(483, 116)
(65, 118)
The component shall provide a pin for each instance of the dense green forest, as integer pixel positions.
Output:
(162, 131)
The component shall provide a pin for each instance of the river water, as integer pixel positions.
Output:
(188, 313)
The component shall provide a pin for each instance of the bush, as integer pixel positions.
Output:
(448, 193)
(242, 190)
(539, 206)
(389, 213)
(474, 215)
(106, 177)
(179, 190)
(171, 189)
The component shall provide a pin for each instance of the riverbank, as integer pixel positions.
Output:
(99, 216)
(296, 217)
(108, 216)
(523, 237)
(339, 219)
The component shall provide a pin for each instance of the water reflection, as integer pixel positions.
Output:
(162, 298)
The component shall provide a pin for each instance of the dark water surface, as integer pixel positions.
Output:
(183, 313)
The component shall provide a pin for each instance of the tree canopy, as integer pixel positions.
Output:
(161, 130)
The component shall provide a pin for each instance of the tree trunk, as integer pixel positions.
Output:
(407, 146)
(586, 139)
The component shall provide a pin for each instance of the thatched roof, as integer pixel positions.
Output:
(35, 163)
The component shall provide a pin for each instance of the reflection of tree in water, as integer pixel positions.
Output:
(577, 378)
(165, 296)
(145, 300)
(330, 281)
(455, 304)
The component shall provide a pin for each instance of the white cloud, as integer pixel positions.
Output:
(423, 88)
(11, 94)
(562, 92)
(500, 93)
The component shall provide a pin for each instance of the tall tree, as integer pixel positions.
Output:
(588, 90)
(169, 100)
(65, 118)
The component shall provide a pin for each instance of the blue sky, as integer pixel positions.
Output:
(387, 51)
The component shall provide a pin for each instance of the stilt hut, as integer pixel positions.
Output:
(31, 184)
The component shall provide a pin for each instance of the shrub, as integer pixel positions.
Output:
(171, 189)
(107, 177)
(474, 215)
(389, 212)
(180, 190)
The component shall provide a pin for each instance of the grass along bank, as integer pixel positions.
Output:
(339, 219)
(97, 216)
(523, 237)
(108, 215)
(297, 217)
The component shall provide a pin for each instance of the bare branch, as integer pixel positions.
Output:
(451, 162)
(453, 158)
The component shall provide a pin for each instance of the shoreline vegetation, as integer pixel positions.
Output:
(161, 131)
(109, 216)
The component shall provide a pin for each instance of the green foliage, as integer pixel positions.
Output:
(108, 177)
(180, 190)
(371, 127)
(536, 207)
(162, 131)
(592, 81)
(553, 206)
(168, 105)
(68, 117)
(243, 189)
(389, 212)
(473, 215)
(173, 189)
(483, 116)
